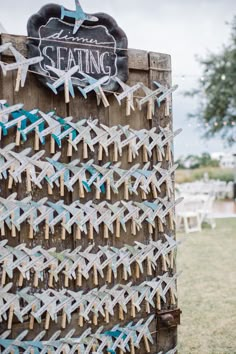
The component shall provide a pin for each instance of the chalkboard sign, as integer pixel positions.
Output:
(98, 48)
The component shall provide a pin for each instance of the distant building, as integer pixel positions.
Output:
(217, 155)
(226, 159)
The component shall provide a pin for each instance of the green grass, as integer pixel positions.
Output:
(207, 290)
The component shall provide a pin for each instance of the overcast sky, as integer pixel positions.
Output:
(182, 28)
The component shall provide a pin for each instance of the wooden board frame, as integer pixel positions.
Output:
(144, 67)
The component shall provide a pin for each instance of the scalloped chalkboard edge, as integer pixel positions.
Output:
(53, 10)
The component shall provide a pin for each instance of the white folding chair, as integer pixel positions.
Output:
(188, 217)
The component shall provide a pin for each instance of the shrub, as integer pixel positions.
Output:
(186, 176)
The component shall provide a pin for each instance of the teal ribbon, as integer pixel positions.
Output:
(114, 334)
(37, 346)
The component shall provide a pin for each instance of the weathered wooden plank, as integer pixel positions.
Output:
(33, 96)
(19, 42)
(138, 59)
(160, 70)
(135, 121)
(7, 93)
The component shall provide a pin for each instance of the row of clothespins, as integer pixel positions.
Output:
(121, 338)
(90, 306)
(125, 339)
(50, 266)
(87, 218)
(82, 176)
(87, 132)
(88, 84)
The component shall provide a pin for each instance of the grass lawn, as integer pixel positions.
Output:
(207, 290)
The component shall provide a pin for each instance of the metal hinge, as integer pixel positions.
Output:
(169, 318)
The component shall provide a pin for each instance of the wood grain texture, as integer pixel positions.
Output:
(34, 95)
(160, 71)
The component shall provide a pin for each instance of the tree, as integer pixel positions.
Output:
(205, 160)
(195, 161)
(217, 92)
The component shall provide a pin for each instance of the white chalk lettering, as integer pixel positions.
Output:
(106, 70)
(46, 52)
(60, 58)
(79, 59)
(71, 60)
(95, 64)
(89, 61)
(65, 37)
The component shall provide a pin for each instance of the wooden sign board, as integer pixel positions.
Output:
(143, 67)
(98, 48)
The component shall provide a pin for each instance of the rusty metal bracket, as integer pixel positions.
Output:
(168, 319)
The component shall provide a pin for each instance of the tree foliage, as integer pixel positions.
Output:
(217, 92)
(195, 161)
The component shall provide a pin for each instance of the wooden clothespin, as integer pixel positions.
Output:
(21, 65)
(81, 319)
(128, 93)
(95, 85)
(150, 99)
(65, 77)
(79, 276)
(165, 96)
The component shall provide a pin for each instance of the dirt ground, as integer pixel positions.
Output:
(207, 290)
